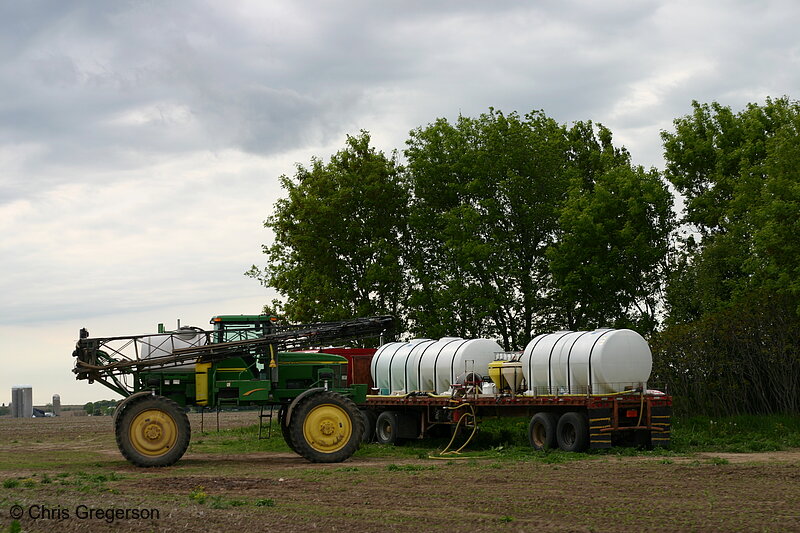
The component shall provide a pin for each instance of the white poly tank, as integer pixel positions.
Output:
(164, 344)
(418, 368)
(424, 365)
(569, 361)
(388, 365)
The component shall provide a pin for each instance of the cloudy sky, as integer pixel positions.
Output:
(141, 142)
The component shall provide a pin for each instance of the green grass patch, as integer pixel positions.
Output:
(218, 502)
(13, 459)
(737, 434)
(238, 440)
(198, 495)
(409, 468)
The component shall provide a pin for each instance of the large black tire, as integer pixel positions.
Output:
(542, 431)
(326, 427)
(152, 431)
(393, 427)
(287, 437)
(387, 428)
(572, 432)
(369, 418)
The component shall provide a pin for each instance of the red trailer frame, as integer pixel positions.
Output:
(631, 417)
(635, 418)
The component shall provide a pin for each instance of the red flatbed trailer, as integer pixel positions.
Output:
(596, 421)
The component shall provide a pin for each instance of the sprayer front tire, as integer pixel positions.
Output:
(326, 427)
(542, 431)
(153, 431)
(572, 432)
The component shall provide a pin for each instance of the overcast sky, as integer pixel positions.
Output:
(141, 142)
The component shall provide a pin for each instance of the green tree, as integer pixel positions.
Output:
(739, 175)
(485, 198)
(337, 237)
(775, 258)
(740, 360)
(733, 296)
(609, 259)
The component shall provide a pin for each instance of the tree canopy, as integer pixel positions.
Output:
(733, 295)
(740, 177)
(498, 225)
(337, 237)
(509, 225)
(486, 194)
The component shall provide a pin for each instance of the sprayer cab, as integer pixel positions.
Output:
(229, 328)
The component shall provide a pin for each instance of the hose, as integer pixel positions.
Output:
(641, 410)
(447, 454)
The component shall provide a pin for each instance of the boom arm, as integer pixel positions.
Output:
(111, 358)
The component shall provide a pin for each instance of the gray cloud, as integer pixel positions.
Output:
(140, 142)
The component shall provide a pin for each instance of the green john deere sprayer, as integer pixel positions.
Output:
(242, 361)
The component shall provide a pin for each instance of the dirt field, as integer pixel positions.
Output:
(62, 473)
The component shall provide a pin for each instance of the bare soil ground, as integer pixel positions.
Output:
(58, 469)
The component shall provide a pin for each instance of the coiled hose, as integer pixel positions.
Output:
(447, 453)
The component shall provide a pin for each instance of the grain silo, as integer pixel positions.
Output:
(22, 398)
(56, 405)
(15, 397)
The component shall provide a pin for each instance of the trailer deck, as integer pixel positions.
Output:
(630, 416)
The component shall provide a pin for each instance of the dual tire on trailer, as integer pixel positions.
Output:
(393, 427)
(387, 428)
(570, 431)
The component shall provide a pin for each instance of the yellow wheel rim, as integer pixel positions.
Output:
(153, 432)
(327, 428)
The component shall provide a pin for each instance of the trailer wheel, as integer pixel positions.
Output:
(153, 431)
(326, 427)
(542, 431)
(387, 427)
(572, 432)
(370, 419)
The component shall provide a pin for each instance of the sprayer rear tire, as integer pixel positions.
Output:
(572, 432)
(326, 427)
(542, 431)
(153, 431)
